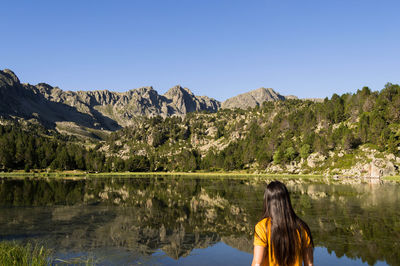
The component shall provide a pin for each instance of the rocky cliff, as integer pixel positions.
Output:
(93, 109)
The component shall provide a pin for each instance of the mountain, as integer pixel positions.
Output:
(351, 135)
(93, 109)
(76, 112)
(253, 98)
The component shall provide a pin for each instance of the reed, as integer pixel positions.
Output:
(12, 253)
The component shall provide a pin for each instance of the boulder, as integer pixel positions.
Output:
(379, 167)
(315, 158)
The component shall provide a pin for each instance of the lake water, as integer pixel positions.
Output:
(194, 221)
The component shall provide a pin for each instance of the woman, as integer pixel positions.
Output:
(281, 238)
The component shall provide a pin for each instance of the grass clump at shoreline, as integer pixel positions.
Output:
(12, 253)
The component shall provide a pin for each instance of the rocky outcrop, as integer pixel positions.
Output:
(183, 101)
(380, 167)
(253, 98)
(7, 77)
(314, 159)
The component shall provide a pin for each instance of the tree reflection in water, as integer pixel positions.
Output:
(176, 215)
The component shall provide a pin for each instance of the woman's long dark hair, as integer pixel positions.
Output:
(284, 224)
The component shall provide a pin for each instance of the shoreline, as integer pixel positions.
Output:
(231, 175)
(137, 174)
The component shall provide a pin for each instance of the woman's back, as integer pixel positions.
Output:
(262, 237)
(281, 238)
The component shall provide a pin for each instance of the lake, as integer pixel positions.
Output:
(194, 221)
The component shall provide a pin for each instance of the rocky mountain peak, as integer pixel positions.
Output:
(141, 91)
(12, 75)
(252, 98)
(44, 87)
(8, 77)
(266, 94)
(178, 91)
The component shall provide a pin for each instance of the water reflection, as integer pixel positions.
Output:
(176, 215)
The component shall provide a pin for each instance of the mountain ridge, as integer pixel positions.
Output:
(105, 109)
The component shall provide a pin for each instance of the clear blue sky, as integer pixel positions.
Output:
(217, 48)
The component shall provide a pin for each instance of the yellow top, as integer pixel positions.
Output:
(262, 237)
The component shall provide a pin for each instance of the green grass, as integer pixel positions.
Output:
(392, 178)
(206, 175)
(345, 162)
(12, 253)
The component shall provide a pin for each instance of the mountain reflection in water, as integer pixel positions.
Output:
(176, 215)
